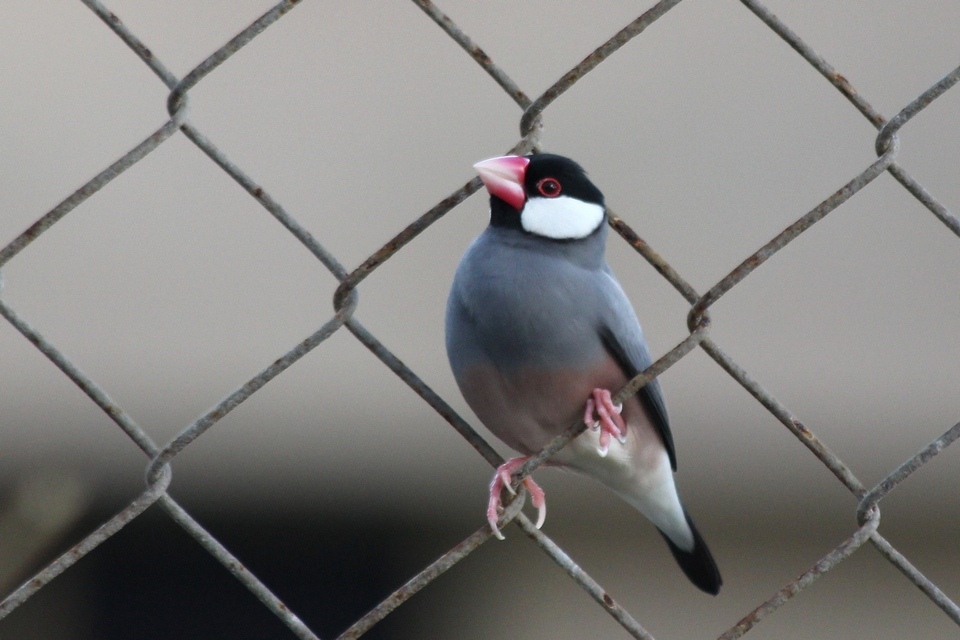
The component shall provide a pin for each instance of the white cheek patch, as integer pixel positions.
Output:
(561, 218)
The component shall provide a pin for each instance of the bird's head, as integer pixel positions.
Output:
(542, 194)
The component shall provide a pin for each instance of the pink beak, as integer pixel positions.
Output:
(503, 177)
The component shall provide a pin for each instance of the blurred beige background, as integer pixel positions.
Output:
(708, 134)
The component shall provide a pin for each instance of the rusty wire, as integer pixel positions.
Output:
(159, 474)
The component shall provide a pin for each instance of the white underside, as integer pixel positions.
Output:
(646, 485)
(561, 218)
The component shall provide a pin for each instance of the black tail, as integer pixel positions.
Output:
(698, 564)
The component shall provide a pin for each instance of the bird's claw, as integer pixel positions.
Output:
(503, 479)
(603, 414)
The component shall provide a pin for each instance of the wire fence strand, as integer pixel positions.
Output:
(346, 301)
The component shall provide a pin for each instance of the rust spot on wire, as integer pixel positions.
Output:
(802, 429)
(142, 50)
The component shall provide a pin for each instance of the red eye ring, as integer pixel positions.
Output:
(549, 187)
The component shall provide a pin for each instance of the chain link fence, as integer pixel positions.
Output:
(160, 456)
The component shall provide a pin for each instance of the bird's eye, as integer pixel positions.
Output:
(549, 187)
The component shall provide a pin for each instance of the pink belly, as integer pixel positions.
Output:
(529, 408)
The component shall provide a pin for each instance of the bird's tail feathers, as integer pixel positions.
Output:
(697, 563)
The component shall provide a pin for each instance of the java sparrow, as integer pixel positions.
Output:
(539, 333)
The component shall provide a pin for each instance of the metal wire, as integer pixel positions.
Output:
(158, 470)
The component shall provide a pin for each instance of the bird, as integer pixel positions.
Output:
(540, 334)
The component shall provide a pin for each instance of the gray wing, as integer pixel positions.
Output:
(622, 337)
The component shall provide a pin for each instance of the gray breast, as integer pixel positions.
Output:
(520, 302)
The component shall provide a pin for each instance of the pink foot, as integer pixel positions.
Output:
(601, 413)
(502, 479)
